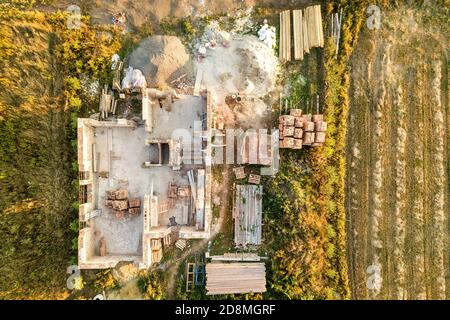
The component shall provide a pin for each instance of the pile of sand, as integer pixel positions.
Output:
(162, 59)
(244, 65)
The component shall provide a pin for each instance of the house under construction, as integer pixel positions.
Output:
(144, 183)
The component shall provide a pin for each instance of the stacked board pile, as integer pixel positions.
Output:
(285, 35)
(118, 201)
(307, 31)
(231, 278)
(297, 130)
(108, 104)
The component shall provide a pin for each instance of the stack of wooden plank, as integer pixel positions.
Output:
(181, 244)
(307, 32)
(247, 215)
(285, 36)
(107, 103)
(231, 278)
(297, 130)
(157, 251)
(298, 34)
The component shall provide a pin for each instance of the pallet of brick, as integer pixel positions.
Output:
(298, 133)
(317, 117)
(121, 194)
(281, 130)
(184, 191)
(119, 214)
(120, 205)
(298, 143)
(134, 203)
(109, 203)
(111, 194)
(295, 112)
(239, 173)
(287, 120)
(321, 126)
(254, 178)
(134, 211)
(309, 126)
(320, 137)
(299, 122)
(308, 138)
(287, 143)
(288, 131)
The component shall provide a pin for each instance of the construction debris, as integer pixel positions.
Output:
(232, 278)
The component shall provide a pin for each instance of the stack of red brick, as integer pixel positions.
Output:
(118, 201)
(298, 130)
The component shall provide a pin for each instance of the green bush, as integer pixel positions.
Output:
(152, 286)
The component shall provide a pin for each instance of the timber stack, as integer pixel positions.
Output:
(307, 32)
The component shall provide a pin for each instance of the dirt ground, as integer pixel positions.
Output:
(154, 11)
(397, 163)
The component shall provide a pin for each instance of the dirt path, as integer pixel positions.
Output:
(172, 271)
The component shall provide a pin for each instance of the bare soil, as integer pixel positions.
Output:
(397, 160)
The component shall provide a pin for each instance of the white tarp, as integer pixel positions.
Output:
(115, 61)
(134, 78)
(268, 35)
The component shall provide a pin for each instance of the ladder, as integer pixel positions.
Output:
(190, 268)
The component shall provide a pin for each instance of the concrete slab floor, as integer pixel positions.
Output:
(121, 152)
